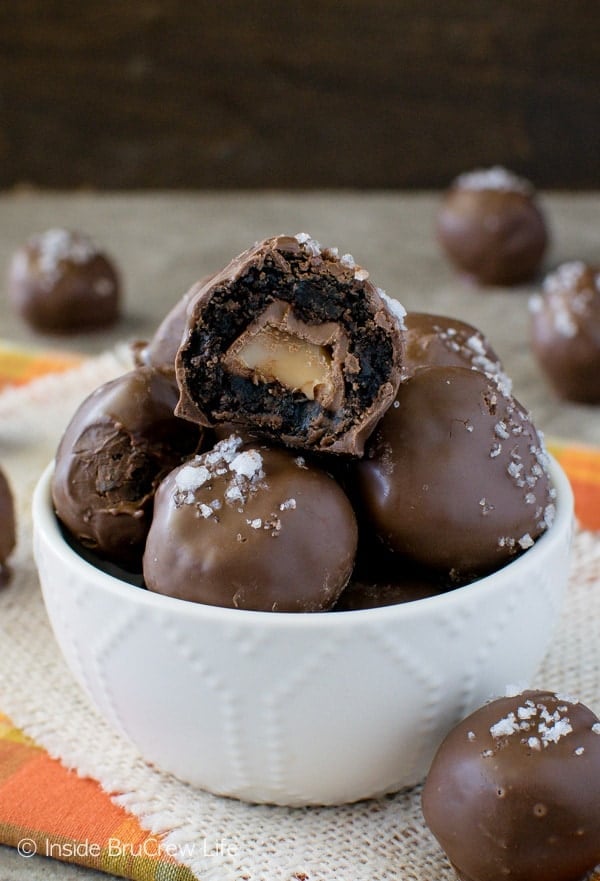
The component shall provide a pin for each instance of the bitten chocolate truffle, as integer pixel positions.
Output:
(120, 443)
(514, 791)
(565, 331)
(59, 282)
(440, 341)
(454, 476)
(7, 527)
(295, 341)
(251, 528)
(491, 227)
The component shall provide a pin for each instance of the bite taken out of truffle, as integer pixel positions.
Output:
(565, 331)
(294, 341)
(60, 282)
(8, 535)
(491, 227)
(251, 527)
(513, 791)
(455, 474)
(119, 444)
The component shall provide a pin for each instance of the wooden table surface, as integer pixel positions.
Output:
(164, 242)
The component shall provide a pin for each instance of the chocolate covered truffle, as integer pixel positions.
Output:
(514, 791)
(440, 341)
(59, 282)
(160, 352)
(250, 527)
(491, 227)
(454, 476)
(119, 444)
(565, 331)
(295, 341)
(7, 527)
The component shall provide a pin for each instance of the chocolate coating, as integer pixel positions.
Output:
(491, 227)
(119, 444)
(251, 528)
(8, 535)
(454, 475)
(404, 584)
(440, 341)
(60, 283)
(162, 349)
(565, 331)
(293, 288)
(514, 791)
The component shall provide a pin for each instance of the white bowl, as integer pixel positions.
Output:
(296, 709)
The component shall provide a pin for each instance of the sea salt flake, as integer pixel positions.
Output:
(561, 728)
(505, 727)
(233, 493)
(526, 712)
(396, 309)
(579, 751)
(525, 541)
(475, 343)
(347, 260)
(471, 736)
(255, 524)
(191, 478)
(361, 274)
(534, 743)
(288, 505)
(596, 728)
(495, 451)
(247, 464)
(501, 430)
(205, 510)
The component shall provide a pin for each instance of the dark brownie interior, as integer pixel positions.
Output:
(275, 409)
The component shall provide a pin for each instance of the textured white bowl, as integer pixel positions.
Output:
(298, 709)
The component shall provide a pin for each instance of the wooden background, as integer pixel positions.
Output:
(273, 93)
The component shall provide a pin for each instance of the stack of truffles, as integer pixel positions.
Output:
(292, 441)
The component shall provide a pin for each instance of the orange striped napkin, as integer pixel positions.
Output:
(47, 809)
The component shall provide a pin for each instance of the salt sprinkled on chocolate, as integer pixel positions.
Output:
(495, 178)
(565, 331)
(58, 246)
(253, 531)
(533, 812)
(223, 458)
(394, 307)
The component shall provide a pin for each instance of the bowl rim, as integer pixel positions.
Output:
(45, 523)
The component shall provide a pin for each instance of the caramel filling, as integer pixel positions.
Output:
(273, 354)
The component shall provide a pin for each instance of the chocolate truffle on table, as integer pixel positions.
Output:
(454, 475)
(440, 341)
(7, 527)
(514, 791)
(565, 331)
(119, 444)
(251, 527)
(295, 341)
(59, 282)
(491, 227)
